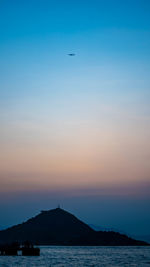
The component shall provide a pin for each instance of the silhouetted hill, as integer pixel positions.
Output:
(59, 227)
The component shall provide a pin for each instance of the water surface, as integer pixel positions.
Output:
(82, 256)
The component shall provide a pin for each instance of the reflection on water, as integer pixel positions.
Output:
(82, 256)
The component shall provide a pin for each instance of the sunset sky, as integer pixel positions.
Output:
(75, 129)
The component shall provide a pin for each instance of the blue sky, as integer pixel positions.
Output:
(76, 124)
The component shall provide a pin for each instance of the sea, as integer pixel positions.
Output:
(77, 256)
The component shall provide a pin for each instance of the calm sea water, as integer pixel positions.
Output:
(82, 256)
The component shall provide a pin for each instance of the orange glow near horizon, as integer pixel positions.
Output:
(76, 157)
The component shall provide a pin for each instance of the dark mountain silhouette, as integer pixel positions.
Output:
(59, 227)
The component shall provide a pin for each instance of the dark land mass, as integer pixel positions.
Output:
(59, 227)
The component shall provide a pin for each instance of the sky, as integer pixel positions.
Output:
(75, 130)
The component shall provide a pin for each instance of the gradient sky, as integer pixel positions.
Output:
(76, 130)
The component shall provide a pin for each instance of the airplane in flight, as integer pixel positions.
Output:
(71, 54)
